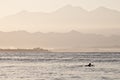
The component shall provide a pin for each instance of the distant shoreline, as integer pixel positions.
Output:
(88, 50)
(25, 50)
(63, 50)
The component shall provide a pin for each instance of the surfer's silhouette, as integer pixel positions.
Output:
(89, 65)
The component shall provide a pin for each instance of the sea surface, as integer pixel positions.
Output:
(59, 66)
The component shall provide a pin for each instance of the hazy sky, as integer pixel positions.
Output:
(13, 6)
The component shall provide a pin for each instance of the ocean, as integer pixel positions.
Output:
(59, 66)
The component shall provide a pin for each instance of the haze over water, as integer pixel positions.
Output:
(75, 32)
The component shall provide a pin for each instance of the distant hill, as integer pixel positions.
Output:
(72, 39)
(101, 21)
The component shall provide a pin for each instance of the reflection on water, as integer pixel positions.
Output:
(59, 66)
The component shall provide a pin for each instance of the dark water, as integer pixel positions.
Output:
(59, 66)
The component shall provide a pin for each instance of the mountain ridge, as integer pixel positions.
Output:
(95, 21)
(74, 39)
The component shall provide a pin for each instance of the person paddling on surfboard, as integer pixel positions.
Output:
(89, 65)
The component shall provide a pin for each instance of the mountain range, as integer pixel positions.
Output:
(72, 39)
(66, 28)
(100, 21)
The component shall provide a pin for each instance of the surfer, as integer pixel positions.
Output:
(89, 65)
